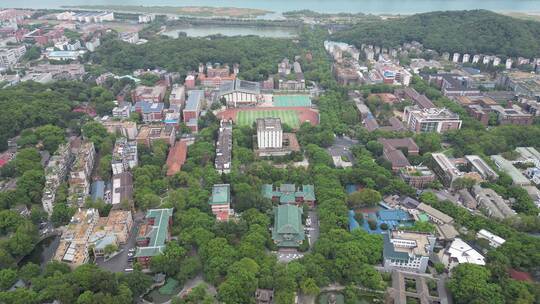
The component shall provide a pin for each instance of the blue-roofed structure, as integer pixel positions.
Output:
(351, 188)
(97, 190)
(393, 218)
(194, 100)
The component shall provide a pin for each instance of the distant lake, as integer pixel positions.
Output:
(207, 30)
(332, 6)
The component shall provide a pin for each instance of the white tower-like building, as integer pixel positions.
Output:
(269, 133)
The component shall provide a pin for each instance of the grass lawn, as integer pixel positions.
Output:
(289, 117)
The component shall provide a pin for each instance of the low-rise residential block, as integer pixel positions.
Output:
(124, 156)
(80, 175)
(56, 173)
(223, 160)
(148, 134)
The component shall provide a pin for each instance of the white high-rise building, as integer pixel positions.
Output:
(269, 133)
(508, 64)
(455, 58)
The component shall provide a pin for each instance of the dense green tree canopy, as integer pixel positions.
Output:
(487, 33)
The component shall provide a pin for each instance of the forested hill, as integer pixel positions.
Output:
(476, 31)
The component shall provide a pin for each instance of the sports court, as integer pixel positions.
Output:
(292, 101)
(289, 117)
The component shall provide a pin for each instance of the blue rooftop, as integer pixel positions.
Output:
(393, 215)
(150, 107)
(195, 97)
(393, 218)
(63, 53)
(350, 188)
(97, 190)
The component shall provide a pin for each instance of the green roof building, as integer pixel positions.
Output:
(220, 201)
(288, 230)
(153, 234)
(289, 194)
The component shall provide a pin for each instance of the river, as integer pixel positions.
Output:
(43, 252)
(330, 6)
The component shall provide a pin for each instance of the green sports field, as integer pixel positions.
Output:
(289, 117)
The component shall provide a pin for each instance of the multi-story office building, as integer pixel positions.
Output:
(431, 120)
(445, 169)
(406, 250)
(269, 133)
(481, 167)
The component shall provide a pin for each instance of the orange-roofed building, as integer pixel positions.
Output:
(176, 158)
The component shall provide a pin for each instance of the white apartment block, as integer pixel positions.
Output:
(121, 112)
(494, 240)
(9, 56)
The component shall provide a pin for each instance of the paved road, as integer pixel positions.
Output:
(314, 228)
(341, 147)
